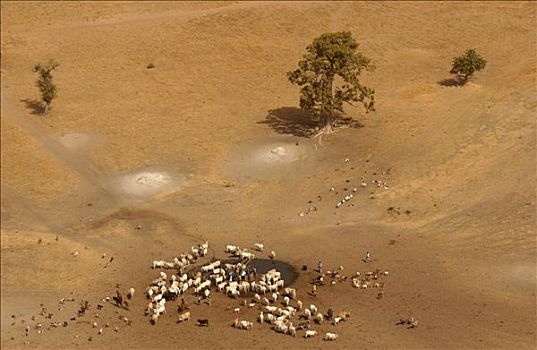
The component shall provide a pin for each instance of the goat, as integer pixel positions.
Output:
(290, 292)
(221, 286)
(149, 309)
(160, 309)
(330, 336)
(344, 315)
(274, 297)
(292, 330)
(242, 324)
(310, 334)
(231, 249)
(234, 293)
(270, 318)
(291, 310)
(281, 327)
(184, 317)
(203, 322)
(307, 313)
(304, 324)
(271, 309)
(246, 256)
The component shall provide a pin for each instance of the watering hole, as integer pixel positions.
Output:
(288, 272)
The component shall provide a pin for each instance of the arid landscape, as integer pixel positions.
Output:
(134, 164)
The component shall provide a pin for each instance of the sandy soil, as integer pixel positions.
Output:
(140, 164)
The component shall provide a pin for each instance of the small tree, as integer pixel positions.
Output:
(464, 66)
(329, 56)
(45, 84)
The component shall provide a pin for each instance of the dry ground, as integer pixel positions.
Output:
(462, 160)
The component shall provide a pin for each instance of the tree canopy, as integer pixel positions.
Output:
(45, 84)
(328, 57)
(465, 65)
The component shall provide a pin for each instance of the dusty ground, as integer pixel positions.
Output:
(143, 163)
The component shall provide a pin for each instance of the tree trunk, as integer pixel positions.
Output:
(326, 120)
(326, 124)
(47, 107)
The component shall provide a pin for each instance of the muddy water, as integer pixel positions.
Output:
(288, 272)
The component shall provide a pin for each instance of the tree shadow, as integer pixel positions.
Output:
(291, 121)
(348, 122)
(451, 82)
(297, 122)
(36, 107)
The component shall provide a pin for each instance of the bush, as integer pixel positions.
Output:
(464, 66)
(45, 84)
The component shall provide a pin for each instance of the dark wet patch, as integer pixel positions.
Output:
(288, 272)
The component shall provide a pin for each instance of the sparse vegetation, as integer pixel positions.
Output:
(397, 211)
(328, 76)
(466, 65)
(45, 84)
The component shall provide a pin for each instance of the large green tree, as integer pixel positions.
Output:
(465, 65)
(328, 76)
(45, 84)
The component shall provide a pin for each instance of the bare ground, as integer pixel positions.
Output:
(461, 161)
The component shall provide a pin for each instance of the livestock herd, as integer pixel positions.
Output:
(278, 305)
(261, 298)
